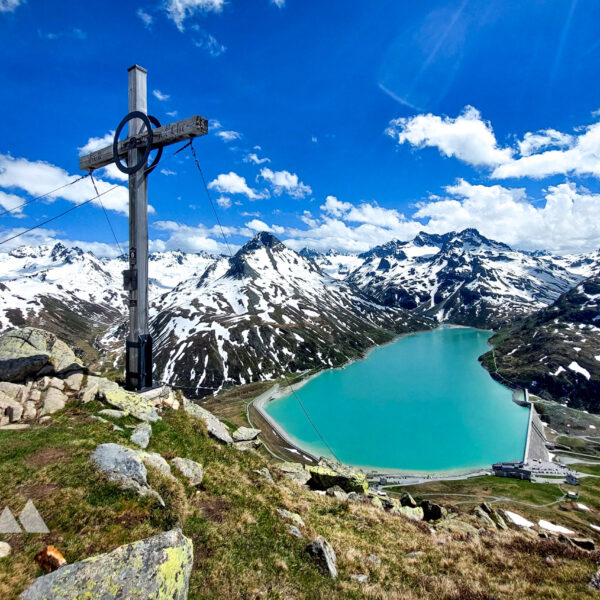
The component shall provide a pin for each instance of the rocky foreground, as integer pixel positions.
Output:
(152, 496)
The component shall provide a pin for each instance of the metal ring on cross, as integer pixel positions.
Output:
(133, 143)
(153, 164)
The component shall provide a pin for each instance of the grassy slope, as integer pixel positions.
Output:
(242, 549)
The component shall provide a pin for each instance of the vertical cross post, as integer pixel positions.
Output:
(139, 342)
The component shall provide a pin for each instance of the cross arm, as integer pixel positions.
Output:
(161, 136)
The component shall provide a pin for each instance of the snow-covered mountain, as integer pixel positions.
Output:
(335, 264)
(265, 311)
(463, 278)
(555, 352)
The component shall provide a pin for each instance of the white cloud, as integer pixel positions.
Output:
(168, 172)
(192, 239)
(466, 137)
(229, 136)
(252, 157)
(214, 124)
(284, 181)
(9, 202)
(232, 183)
(314, 139)
(532, 142)
(224, 202)
(278, 3)
(10, 5)
(257, 225)
(172, 113)
(37, 178)
(160, 96)
(146, 18)
(579, 158)
(209, 42)
(96, 143)
(179, 10)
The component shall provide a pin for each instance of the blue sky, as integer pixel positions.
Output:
(333, 124)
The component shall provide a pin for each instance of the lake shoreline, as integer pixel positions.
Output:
(298, 448)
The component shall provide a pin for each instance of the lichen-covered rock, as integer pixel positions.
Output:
(249, 445)
(245, 434)
(215, 428)
(125, 467)
(337, 492)
(141, 435)
(494, 515)
(295, 472)
(293, 517)
(329, 473)
(414, 513)
(74, 381)
(31, 352)
(189, 469)
(158, 567)
(320, 549)
(134, 404)
(481, 514)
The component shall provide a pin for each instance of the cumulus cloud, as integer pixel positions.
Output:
(38, 177)
(10, 202)
(224, 202)
(232, 183)
(252, 157)
(258, 225)
(210, 44)
(188, 238)
(284, 181)
(471, 139)
(466, 137)
(229, 136)
(179, 10)
(160, 96)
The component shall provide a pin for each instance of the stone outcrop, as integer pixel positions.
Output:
(320, 549)
(158, 567)
(294, 472)
(293, 517)
(31, 352)
(329, 473)
(190, 469)
(245, 434)
(432, 512)
(215, 428)
(134, 404)
(127, 467)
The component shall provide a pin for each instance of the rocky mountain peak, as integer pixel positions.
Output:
(263, 239)
(470, 237)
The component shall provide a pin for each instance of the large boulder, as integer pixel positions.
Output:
(215, 428)
(432, 511)
(127, 467)
(329, 473)
(294, 472)
(31, 352)
(134, 404)
(190, 469)
(320, 549)
(158, 567)
(245, 434)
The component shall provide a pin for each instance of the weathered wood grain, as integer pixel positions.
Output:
(161, 136)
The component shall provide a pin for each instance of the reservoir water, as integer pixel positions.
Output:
(422, 403)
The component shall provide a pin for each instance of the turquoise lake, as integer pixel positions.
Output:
(422, 403)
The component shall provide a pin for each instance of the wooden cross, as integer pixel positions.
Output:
(138, 363)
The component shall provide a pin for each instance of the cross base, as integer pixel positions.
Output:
(139, 376)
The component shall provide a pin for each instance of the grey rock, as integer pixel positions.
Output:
(432, 512)
(158, 567)
(14, 391)
(134, 404)
(249, 445)
(190, 469)
(141, 435)
(321, 550)
(29, 352)
(337, 492)
(156, 461)
(53, 401)
(112, 413)
(215, 428)
(295, 531)
(11, 411)
(57, 383)
(29, 410)
(481, 514)
(5, 549)
(245, 434)
(101, 419)
(89, 392)
(414, 554)
(264, 472)
(291, 516)
(329, 473)
(124, 467)
(583, 543)
(407, 500)
(416, 513)
(117, 428)
(374, 559)
(595, 581)
(294, 471)
(360, 577)
(75, 381)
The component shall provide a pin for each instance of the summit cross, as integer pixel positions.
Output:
(136, 149)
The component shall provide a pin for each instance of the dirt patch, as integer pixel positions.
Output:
(35, 491)
(213, 509)
(47, 456)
